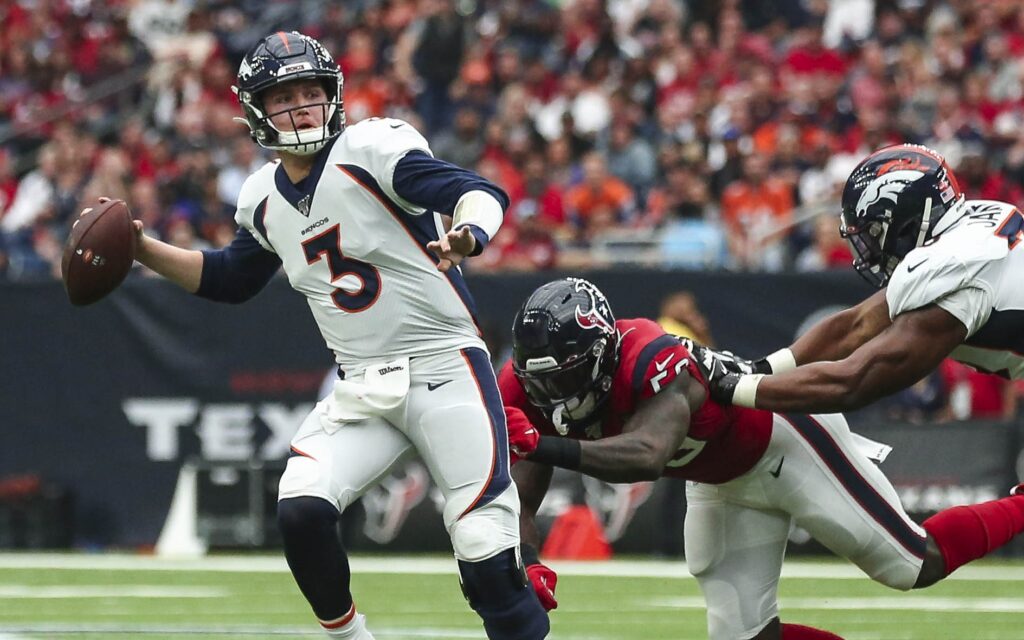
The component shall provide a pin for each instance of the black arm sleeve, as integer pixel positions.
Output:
(437, 185)
(237, 272)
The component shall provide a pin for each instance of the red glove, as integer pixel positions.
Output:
(543, 580)
(522, 435)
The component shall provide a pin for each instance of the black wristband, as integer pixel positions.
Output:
(762, 366)
(558, 452)
(529, 554)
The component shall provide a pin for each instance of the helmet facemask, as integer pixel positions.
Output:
(571, 391)
(300, 142)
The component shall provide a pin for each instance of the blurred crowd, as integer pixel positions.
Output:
(692, 133)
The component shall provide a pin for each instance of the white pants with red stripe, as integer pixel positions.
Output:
(812, 475)
(452, 418)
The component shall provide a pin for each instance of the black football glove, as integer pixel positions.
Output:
(722, 369)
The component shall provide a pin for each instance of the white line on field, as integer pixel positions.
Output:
(793, 569)
(12, 591)
(896, 603)
(242, 631)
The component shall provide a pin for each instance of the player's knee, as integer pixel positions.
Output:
(297, 516)
(497, 589)
(483, 533)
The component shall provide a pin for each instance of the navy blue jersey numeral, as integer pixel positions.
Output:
(1012, 228)
(328, 244)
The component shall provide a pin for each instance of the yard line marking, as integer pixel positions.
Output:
(896, 603)
(675, 569)
(391, 633)
(14, 591)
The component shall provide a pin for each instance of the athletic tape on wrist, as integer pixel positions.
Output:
(746, 390)
(781, 361)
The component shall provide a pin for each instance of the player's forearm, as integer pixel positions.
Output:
(831, 339)
(841, 334)
(623, 458)
(833, 387)
(183, 267)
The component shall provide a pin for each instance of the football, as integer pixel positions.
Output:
(99, 252)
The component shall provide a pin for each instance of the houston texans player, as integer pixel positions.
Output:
(948, 270)
(623, 401)
(352, 214)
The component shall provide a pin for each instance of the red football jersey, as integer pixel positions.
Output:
(723, 443)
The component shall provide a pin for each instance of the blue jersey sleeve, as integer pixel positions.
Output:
(237, 272)
(437, 185)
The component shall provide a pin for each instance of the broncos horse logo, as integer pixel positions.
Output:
(888, 186)
(597, 316)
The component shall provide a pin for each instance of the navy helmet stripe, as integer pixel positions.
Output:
(856, 485)
(420, 228)
(500, 478)
(647, 354)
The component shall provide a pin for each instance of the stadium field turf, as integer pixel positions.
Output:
(93, 596)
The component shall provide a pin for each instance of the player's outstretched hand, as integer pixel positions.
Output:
(453, 247)
(543, 579)
(722, 369)
(522, 435)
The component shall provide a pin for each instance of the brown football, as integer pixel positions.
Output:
(99, 252)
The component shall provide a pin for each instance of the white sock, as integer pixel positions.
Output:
(351, 626)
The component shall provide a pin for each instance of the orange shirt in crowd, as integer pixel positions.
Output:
(613, 194)
(745, 206)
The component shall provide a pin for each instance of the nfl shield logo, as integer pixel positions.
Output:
(304, 205)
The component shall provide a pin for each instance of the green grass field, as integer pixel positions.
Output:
(100, 596)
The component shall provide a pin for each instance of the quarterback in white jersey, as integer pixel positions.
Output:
(947, 267)
(354, 217)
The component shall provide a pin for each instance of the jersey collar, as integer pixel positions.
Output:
(300, 195)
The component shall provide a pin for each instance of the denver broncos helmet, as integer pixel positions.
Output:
(284, 57)
(892, 204)
(565, 350)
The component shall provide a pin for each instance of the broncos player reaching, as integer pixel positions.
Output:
(352, 215)
(948, 269)
(623, 401)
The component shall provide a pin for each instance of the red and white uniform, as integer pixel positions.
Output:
(754, 474)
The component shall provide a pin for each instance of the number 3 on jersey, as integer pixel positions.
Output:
(1012, 228)
(328, 244)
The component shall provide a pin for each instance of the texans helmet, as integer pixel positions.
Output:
(565, 350)
(893, 203)
(285, 57)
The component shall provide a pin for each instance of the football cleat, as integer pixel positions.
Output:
(1018, 490)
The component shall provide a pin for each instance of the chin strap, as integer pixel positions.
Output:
(925, 219)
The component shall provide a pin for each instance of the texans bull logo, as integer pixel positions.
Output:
(596, 316)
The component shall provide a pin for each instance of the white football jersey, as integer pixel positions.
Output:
(971, 271)
(358, 252)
